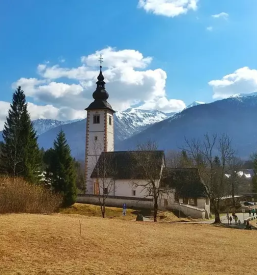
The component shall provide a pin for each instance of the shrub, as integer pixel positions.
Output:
(18, 196)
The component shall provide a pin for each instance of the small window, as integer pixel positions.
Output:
(105, 191)
(110, 120)
(96, 119)
(95, 138)
(133, 192)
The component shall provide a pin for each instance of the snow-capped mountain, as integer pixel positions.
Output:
(195, 103)
(234, 116)
(133, 121)
(127, 124)
(43, 125)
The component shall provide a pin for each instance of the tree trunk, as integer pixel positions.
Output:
(103, 209)
(155, 209)
(233, 193)
(217, 212)
(217, 217)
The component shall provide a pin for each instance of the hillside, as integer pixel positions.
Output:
(127, 123)
(233, 116)
(43, 125)
(52, 244)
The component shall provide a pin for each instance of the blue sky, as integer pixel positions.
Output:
(190, 51)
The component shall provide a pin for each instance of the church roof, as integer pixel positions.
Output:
(100, 104)
(186, 181)
(100, 95)
(125, 164)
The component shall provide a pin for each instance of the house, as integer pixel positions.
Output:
(120, 173)
(184, 187)
(124, 176)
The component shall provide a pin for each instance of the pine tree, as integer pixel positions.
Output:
(62, 170)
(20, 156)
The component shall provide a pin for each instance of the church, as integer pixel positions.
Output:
(114, 174)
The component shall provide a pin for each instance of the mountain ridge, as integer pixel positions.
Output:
(232, 116)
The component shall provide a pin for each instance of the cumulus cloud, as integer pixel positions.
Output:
(44, 112)
(170, 8)
(4, 107)
(210, 28)
(50, 112)
(164, 104)
(223, 15)
(129, 82)
(242, 81)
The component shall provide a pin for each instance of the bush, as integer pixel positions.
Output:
(18, 196)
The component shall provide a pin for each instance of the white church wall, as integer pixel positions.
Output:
(124, 188)
(94, 144)
(109, 132)
(90, 117)
(127, 188)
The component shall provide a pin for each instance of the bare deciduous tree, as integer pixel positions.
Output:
(177, 159)
(104, 174)
(233, 179)
(212, 157)
(147, 164)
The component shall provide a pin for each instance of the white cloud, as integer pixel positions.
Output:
(170, 8)
(44, 112)
(129, 82)
(4, 107)
(164, 104)
(242, 81)
(49, 112)
(223, 15)
(210, 28)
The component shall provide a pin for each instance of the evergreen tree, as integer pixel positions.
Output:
(61, 170)
(20, 156)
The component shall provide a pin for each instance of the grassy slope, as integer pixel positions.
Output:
(114, 212)
(52, 244)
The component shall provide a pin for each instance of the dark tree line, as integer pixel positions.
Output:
(20, 155)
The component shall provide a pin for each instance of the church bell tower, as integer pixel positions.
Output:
(99, 131)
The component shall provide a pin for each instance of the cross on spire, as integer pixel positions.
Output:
(100, 60)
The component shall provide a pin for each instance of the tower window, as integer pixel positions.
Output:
(110, 120)
(133, 192)
(96, 119)
(95, 138)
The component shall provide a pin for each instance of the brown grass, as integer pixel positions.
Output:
(52, 244)
(116, 213)
(18, 196)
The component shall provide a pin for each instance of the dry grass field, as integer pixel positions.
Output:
(116, 213)
(52, 244)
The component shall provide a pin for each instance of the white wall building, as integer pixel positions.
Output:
(115, 174)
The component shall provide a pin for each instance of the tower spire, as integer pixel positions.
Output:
(100, 61)
(100, 83)
(100, 95)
